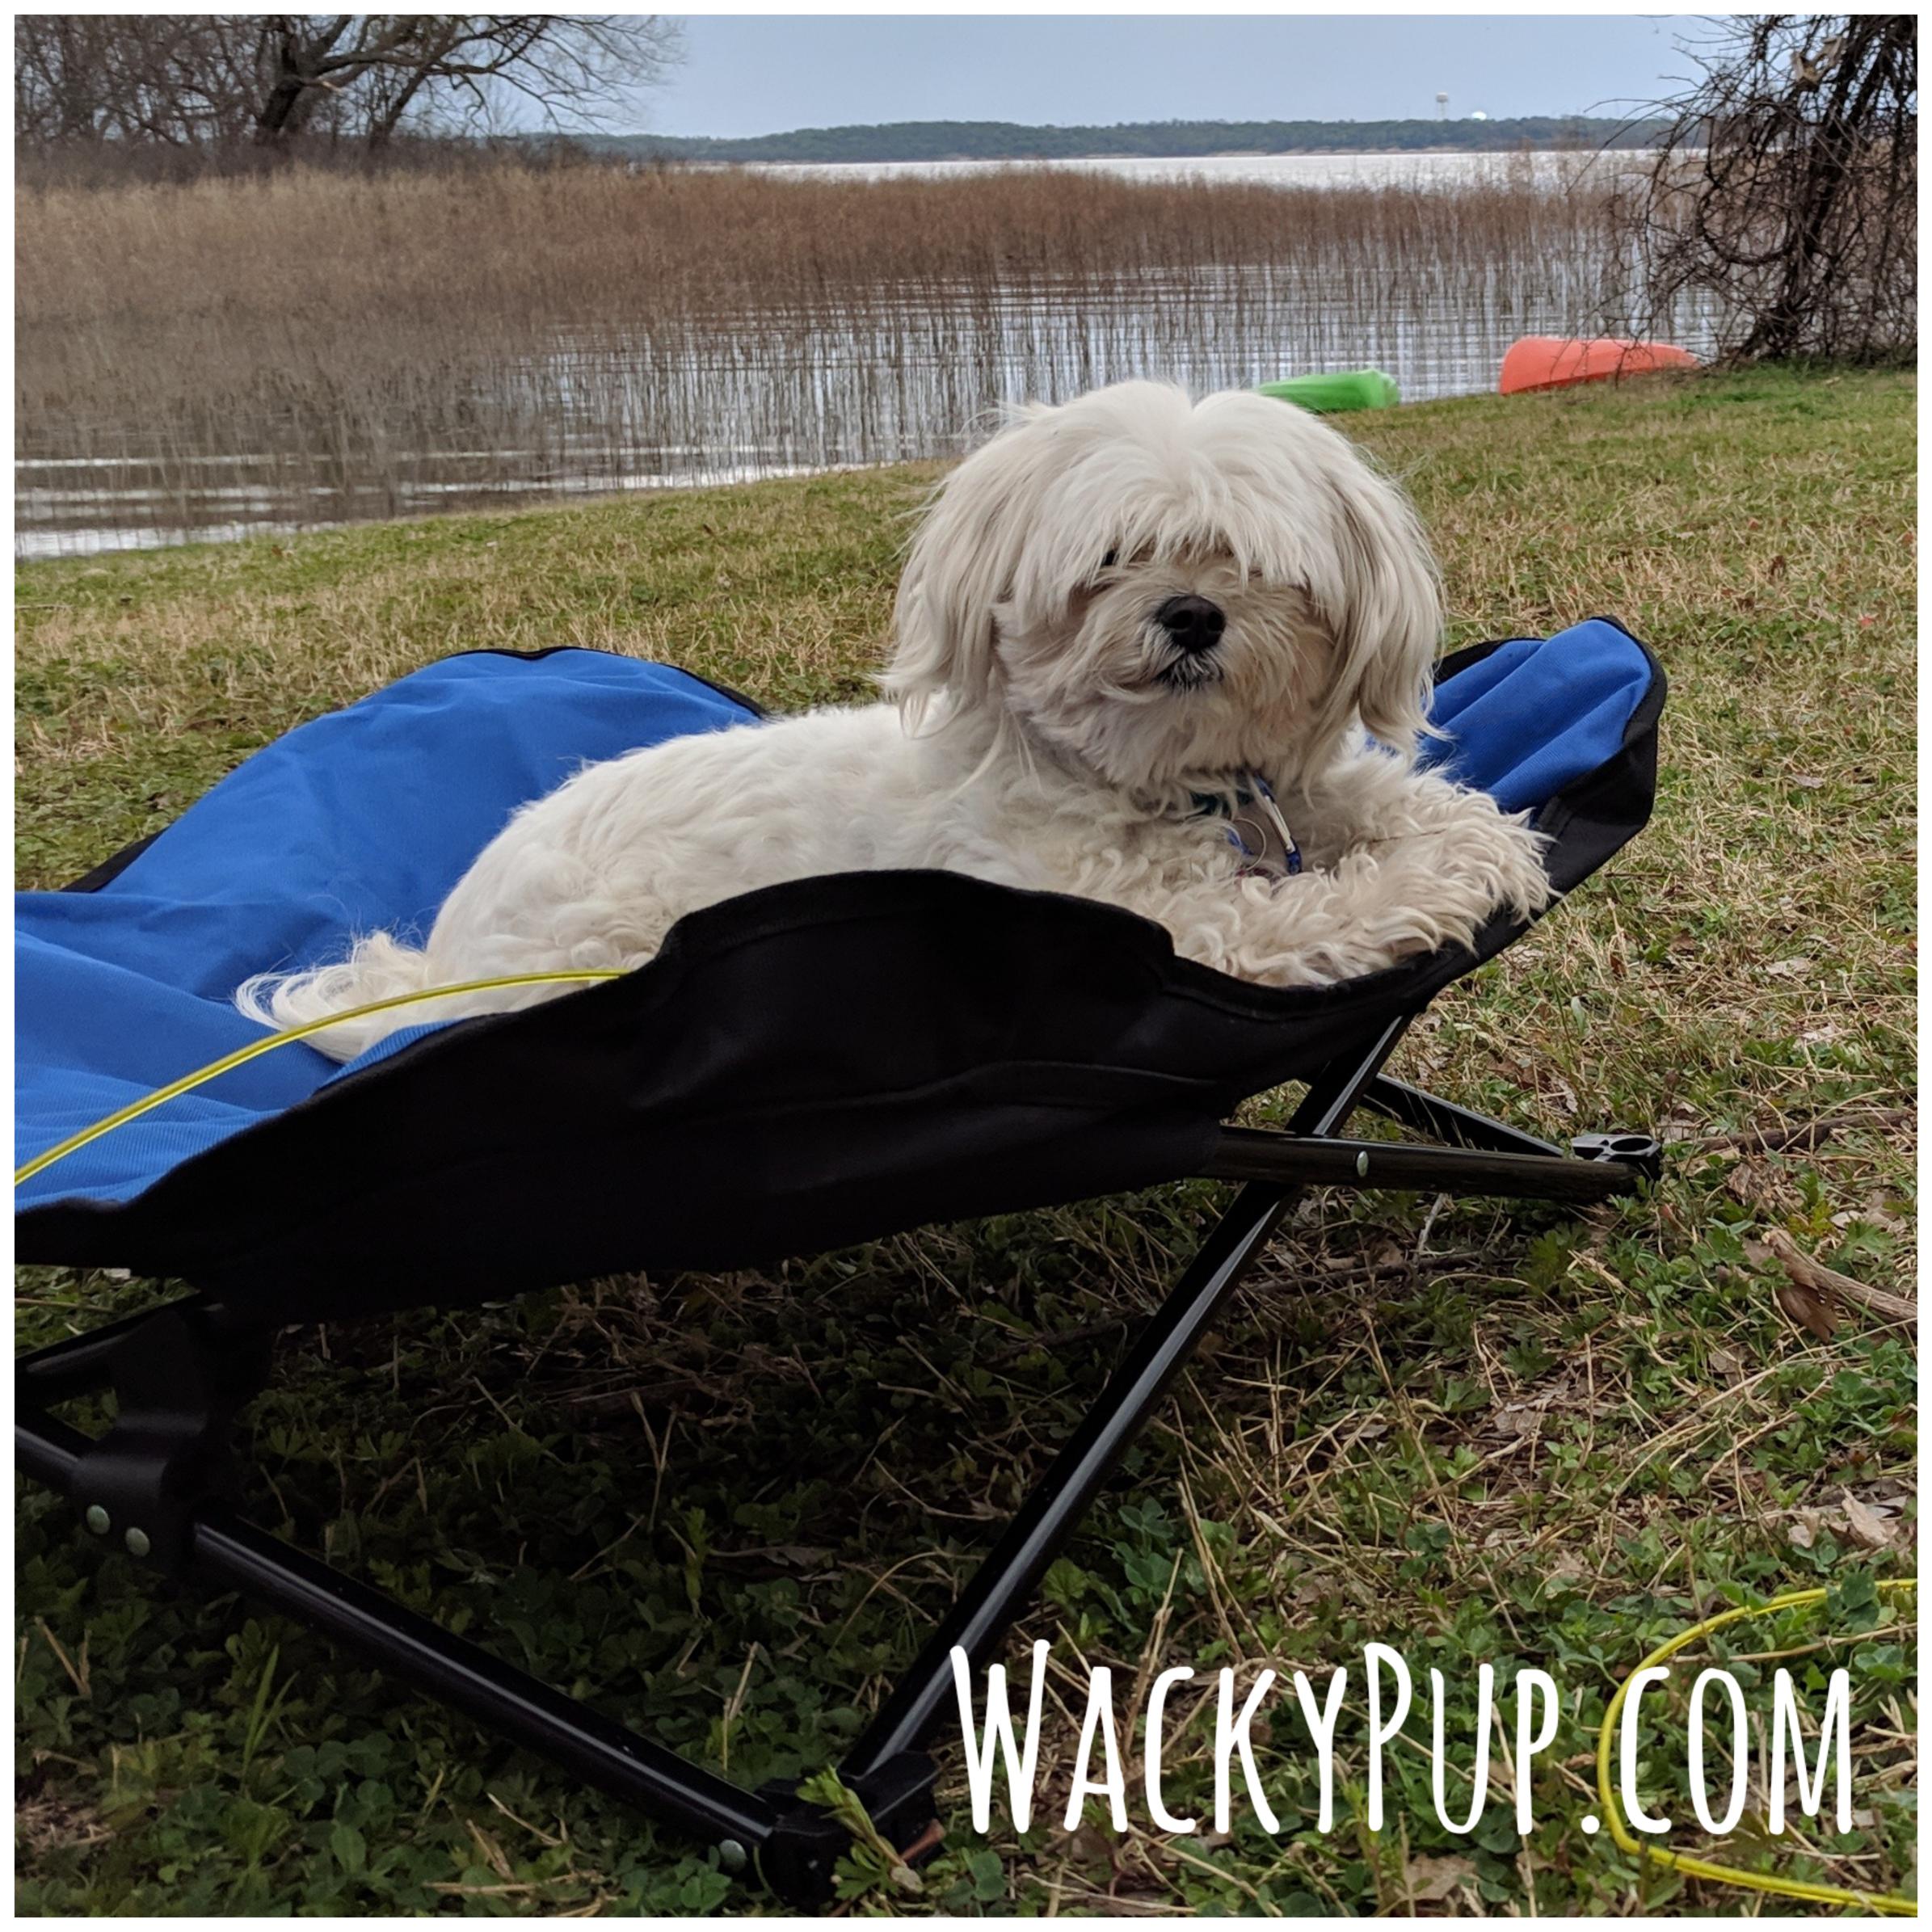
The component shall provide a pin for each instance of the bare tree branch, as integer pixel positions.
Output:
(1786, 190)
(206, 81)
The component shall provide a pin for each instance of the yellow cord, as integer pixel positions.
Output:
(1704, 1868)
(270, 1042)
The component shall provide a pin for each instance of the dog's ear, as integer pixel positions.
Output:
(1387, 618)
(960, 566)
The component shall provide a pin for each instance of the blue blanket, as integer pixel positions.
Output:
(365, 819)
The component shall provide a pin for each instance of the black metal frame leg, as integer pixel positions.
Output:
(1254, 1153)
(1008, 1577)
(229, 1553)
(1462, 1127)
(1458, 1126)
(151, 1485)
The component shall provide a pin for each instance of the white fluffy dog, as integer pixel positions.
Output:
(1170, 654)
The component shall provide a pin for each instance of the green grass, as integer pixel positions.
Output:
(728, 1509)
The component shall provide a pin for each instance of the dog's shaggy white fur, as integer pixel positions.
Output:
(1113, 609)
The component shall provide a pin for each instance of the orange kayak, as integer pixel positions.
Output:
(1551, 362)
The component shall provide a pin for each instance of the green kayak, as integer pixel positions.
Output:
(1345, 389)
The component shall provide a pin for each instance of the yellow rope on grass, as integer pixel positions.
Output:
(1694, 1868)
(270, 1042)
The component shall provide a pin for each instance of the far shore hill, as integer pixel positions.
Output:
(915, 141)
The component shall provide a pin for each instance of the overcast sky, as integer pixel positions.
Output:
(761, 75)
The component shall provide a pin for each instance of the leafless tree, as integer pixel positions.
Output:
(208, 81)
(1786, 190)
(134, 79)
(466, 68)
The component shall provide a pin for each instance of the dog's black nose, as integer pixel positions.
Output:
(1191, 622)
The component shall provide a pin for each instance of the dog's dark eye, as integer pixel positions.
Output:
(1109, 560)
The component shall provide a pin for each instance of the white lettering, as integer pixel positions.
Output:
(1836, 1729)
(1020, 1767)
(1374, 1660)
(1231, 1735)
(1157, 1705)
(1321, 1727)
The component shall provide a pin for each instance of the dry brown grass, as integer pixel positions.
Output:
(344, 322)
(521, 249)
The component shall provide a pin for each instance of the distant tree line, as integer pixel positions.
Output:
(199, 85)
(1007, 140)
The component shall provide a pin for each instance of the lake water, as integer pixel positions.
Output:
(905, 374)
(1279, 170)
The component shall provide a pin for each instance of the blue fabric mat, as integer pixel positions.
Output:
(366, 817)
(1536, 713)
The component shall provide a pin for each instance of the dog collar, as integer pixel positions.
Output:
(1255, 827)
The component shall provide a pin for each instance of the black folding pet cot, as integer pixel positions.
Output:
(801, 1068)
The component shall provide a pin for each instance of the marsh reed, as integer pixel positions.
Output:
(310, 346)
